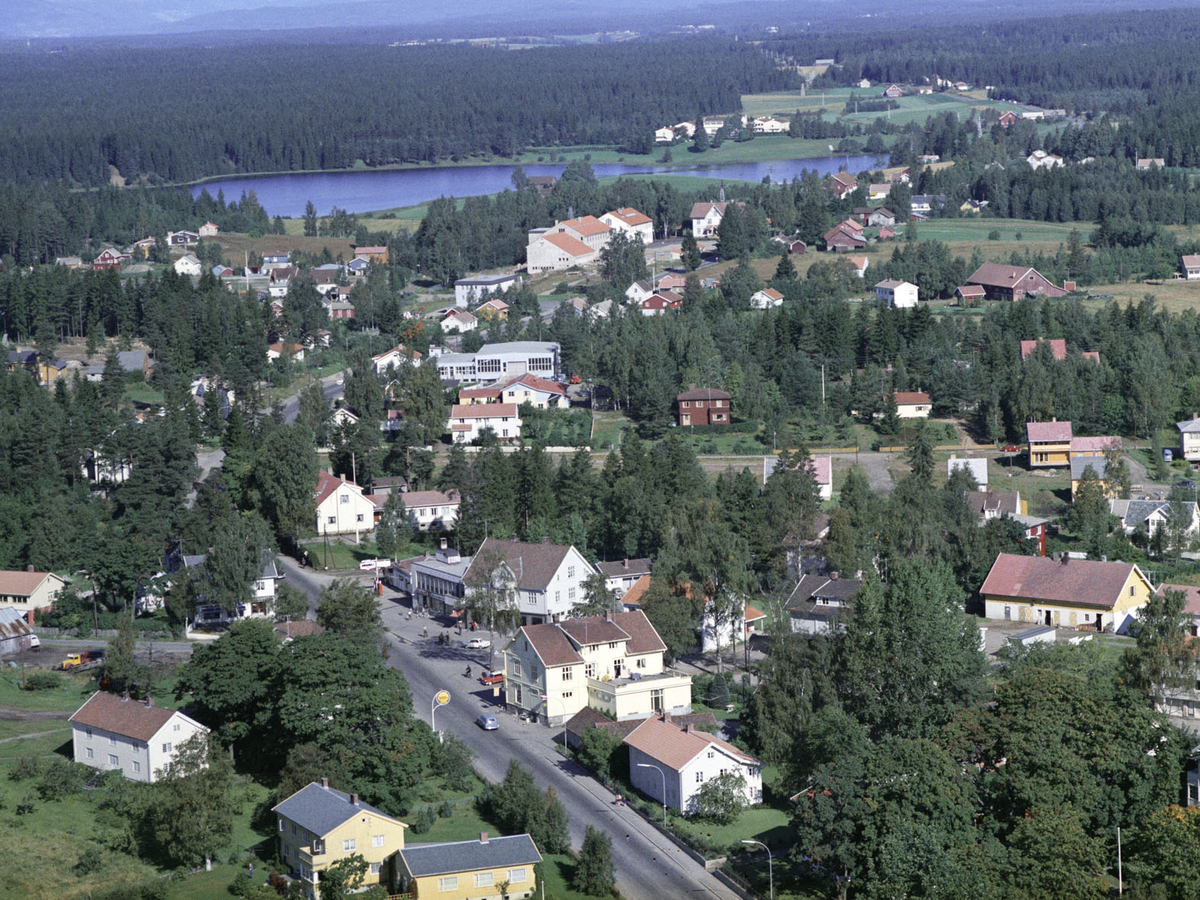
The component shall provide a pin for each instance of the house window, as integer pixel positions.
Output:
(286, 851)
(612, 645)
(332, 520)
(176, 727)
(1131, 590)
(699, 778)
(113, 759)
(293, 828)
(570, 571)
(686, 405)
(89, 732)
(343, 499)
(359, 517)
(518, 695)
(641, 663)
(710, 754)
(378, 840)
(375, 867)
(515, 875)
(137, 766)
(90, 754)
(483, 879)
(590, 670)
(112, 738)
(449, 883)
(281, 825)
(516, 667)
(167, 747)
(567, 673)
(533, 671)
(349, 844)
(567, 695)
(571, 595)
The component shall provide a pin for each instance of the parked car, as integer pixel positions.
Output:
(1186, 483)
(487, 722)
(479, 644)
(494, 677)
(35, 642)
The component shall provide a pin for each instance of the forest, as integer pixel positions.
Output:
(73, 117)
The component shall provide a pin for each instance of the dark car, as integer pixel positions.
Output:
(1187, 483)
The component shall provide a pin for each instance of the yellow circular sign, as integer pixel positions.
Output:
(443, 697)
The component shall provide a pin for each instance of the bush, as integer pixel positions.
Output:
(994, 234)
(42, 681)
(59, 779)
(446, 810)
(27, 767)
(241, 883)
(424, 820)
(90, 860)
(721, 799)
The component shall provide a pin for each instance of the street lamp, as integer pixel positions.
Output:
(664, 787)
(770, 866)
(441, 698)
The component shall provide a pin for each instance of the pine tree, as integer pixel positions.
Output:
(595, 875)
(690, 253)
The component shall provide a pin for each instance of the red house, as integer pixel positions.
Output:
(1008, 118)
(109, 258)
(842, 183)
(797, 248)
(661, 303)
(703, 406)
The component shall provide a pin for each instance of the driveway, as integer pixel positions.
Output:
(649, 867)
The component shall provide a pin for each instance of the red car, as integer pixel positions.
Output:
(1011, 448)
(496, 677)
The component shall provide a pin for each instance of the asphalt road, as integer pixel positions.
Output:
(331, 384)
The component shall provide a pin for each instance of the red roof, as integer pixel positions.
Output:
(1094, 444)
(1192, 604)
(700, 210)
(630, 216)
(1048, 432)
(910, 398)
(696, 393)
(1083, 582)
(483, 411)
(675, 747)
(586, 225)
(327, 484)
(1058, 347)
(568, 244)
(633, 596)
(822, 469)
(128, 718)
(537, 383)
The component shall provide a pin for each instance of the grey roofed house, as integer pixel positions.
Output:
(320, 808)
(818, 602)
(469, 856)
(620, 568)
(1151, 513)
(990, 504)
(977, 467)
(534, 565)
(1081, 464)
(1191, 426)
(128, 360)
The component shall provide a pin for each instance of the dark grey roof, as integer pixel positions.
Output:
(22, 357)
(618, 568)
(320, 809)
(470, 856)
(1080, 464)
(267, 567)
(810, 586)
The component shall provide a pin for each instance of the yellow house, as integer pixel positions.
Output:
(319, 825)
(470, 870)
(1065, 592)
(1049, 444)
(28, 591)
(613, 663)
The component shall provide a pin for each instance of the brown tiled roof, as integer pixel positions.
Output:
(753, 614)
(1092, 444)
(1056, 432)
(1084, 582)
(700, 210)
(593, 630)
(1192, 604)
(634, 594)
(586, 225)
(533, 564)
(642, 636)
(908, 398)
(299, 628)
(538, 384)
(22, 584)
(971, 290)
(128, 718)
(630, 216)
(674, 747)
(704, 394)
(551, 645)
(844, 178)
(327, 484)
(483, 410)
(584, 719)
(413, 499)
(1058, 348)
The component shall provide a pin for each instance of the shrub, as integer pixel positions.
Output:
(89, 861)
(27, 767)
(424, 820)
(241, 883)
(42, 681)
(446, 810)
(994, 234)
(721, 799)
(59, 779)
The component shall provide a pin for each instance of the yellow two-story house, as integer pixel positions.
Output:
(471, 870)
(1064, 592)
(319, 825)
(1049, 444)
(613, 663)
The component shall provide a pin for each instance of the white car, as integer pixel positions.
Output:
(478, 644)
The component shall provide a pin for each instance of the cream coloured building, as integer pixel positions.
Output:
(613, 663)
(28, 591)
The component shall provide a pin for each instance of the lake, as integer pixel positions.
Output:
(363, 191)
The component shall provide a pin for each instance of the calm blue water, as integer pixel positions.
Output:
(286, 195)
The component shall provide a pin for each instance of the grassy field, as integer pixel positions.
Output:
(912, 107)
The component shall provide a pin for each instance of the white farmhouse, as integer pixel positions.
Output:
(398, 356)
(547, 579)
(469, 421)
(459, 321)
(341, 507)
(431, 509)
(767, 298)
(900, 294)
(630, 221)
(706, 218)
(672, 764)
(188, 265)
(556, 253)
(134, 737)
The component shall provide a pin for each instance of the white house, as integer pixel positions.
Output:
(1189, 439)
(557, 252)
(622, 574)
(640, 291)
(819, 604)
(135, 737)
(541, 393)
(209, 614)
(397, 356)
(468, 422)
(341, 507)
(912, 404)
(767, 298)
(630, 221)
(664, 135)
(188, 264)
(977, 467)
(469, 291)
(547, 579)
(1191, 266)
(769, 125)
(431, 509)
(459, 321)
(671, 764)
(900, 294)
(706, 218)
(822, 469)
(493, 361)
(1152, 515)
(1040, 159)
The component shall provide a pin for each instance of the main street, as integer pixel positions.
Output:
(649, 866)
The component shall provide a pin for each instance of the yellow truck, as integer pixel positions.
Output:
(81, 662)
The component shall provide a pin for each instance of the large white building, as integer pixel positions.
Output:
(672, 764)
(900, 294)
(546, 579)
(1189, 439)
(494, 361)
(557, 252)
(469, 421)
(630, 221)
(469, 291)
(134, 737)
(431, 509)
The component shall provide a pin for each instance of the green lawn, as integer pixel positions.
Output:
(340, 556)
(140, 392)
(67, 697)
(607, 429)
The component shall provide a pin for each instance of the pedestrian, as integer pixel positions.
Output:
(425, 631)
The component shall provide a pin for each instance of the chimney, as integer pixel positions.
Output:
(442, 543)
(354, 799)
(689, 728)
(29, 568)
(125, 697)
(149, 701)
(324, 782)
(1066, 558)
(483, 839)
(608, 615)
(627, 563)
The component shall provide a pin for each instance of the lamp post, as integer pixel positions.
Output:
(441, 698)
(664, 787)
(770, 866)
